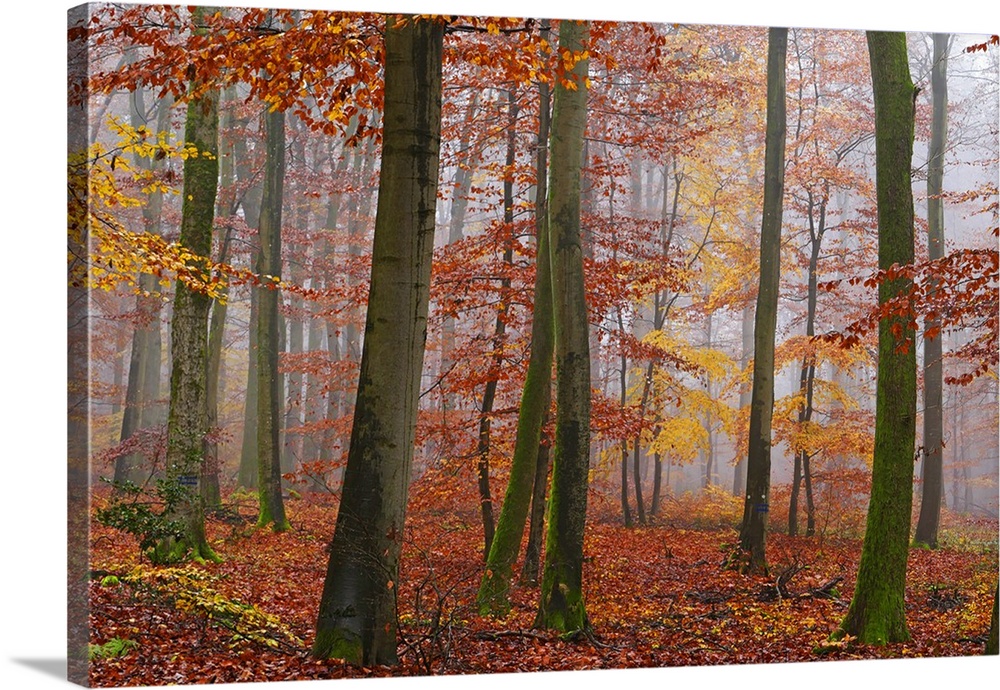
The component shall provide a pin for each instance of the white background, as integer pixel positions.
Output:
(32, 388)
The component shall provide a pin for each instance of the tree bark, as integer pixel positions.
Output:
(755, 506)
(536, 397)
(561, 604)
(188, 415)
(877, 612)
(269, 381)
(357, 612)
(933, 442)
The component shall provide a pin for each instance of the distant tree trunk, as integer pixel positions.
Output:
(188, 415)
(247, 477)
(561, 605)
(269, 381)
(746, 357)
(143, 385)
(456, 231)
(251, 201)
(709, 423)
(211, 493)
(654, 501)
(536, 397)
(623, 397)
(933, 471)
(755, 506)
(992, 645)
(357, 612)
(877, 613)
(807, 373)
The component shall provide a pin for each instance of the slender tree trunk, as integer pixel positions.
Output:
(251, 202)
(533, 551)
(561, 604)
(992, 643)
(756, 504)
(357, 613)
(746, 357)
(877, 613)
(933, 473)
(269, 381)
(536, 397)
(225, 206)
(143, 386)
(499, 330)
(654, 501)
(188, 416)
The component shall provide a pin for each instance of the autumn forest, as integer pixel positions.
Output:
(417, 345)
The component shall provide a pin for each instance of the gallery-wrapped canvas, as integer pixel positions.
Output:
(416, 345)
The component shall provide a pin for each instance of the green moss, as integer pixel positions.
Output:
(337, 644)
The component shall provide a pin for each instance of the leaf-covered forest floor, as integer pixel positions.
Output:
(656, 596)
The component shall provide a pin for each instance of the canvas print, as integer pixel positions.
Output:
(408, 345)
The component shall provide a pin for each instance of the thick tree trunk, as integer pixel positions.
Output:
(357, 613)
(933, 446)
(269, 381)
(561, 604)
(188, 415)
(877, 613)
(755, 506)
(536, 397)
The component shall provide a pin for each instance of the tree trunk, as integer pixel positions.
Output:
(143, 385)
(933, 474)
(499, 330)
(536, 397)
(561, 605)
(251, 201)
(357, 612)
(269, 381)
(992, 645)
(225, 206)
(533, 551)
(654, 501)
(746, 357)
(755, 506)
(188, 415)
(877, 612)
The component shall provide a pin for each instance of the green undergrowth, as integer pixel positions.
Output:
(191, 590)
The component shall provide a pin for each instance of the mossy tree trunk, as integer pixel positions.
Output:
(269, 381)
(187, 421)
(877, 612)
(357, 613)
(753, 532)
(561, 603)
(536, 396)
(933, 444)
